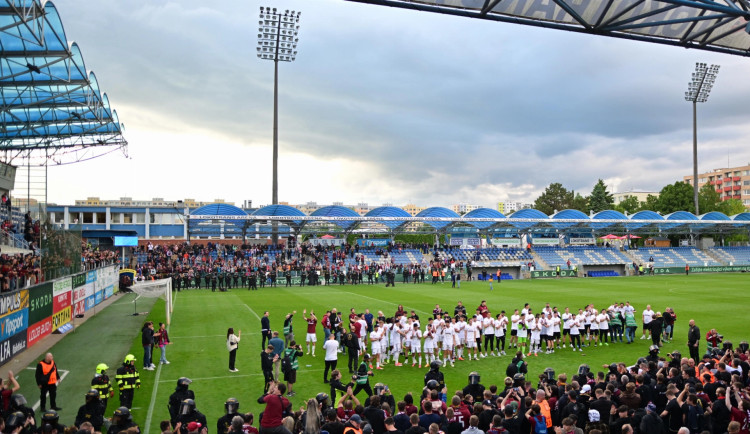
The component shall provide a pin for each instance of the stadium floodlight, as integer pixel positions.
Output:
(700, 86)
(277, 41)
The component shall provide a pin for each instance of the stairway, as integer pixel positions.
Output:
(711, 254)
(539, 261)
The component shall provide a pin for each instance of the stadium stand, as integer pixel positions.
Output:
(733, 255)
(673, 256)
(580, 255)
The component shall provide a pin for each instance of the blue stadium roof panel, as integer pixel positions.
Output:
(337, 211)
(567, 214)
(482, 213)
(389, 211)
(643, 215)
(438, 211)
(527, 213)
(50, 100)
(218, 209)
(606, 215)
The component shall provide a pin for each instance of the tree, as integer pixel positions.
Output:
(676, 197)
(600, 198)
(580, 203)
(554, 197)
(731, 207)
(708, 199)
(628, 205)
(651, 204)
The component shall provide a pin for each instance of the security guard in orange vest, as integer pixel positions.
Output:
(46, 379)
(128, 380)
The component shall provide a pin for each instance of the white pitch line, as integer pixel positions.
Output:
(150, 412)
(251, 310)
(62, 377)
(236, 376)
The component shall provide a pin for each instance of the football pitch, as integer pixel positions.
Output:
(201, 318)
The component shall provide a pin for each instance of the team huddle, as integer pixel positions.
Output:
(463, 337)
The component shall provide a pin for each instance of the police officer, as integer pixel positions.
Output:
(351, 342)
(18, 405)
(181, 393)
(121, 421)
(101, 383)
(50, 422)
(128, 380)
(435, 374)
(231, 407)
(474, 388)
(92, 411)
(653, 354)
(15, 423)
(188, 414)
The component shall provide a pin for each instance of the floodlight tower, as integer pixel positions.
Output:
(699, 87)
(277, 41)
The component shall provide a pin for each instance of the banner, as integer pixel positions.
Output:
(39, 331)
(14, 323)
(78, 280)
(63, 285)
(61, 318)
(510, 242)
(61, 301)
(11, 347)
(581, 241)
(701, 269)
(90, 302)
(79, 308)
(13, 302)
(99, 297)
(109, 291)
(377, 242)
(545, 241)
(552, 273)
(40, 302)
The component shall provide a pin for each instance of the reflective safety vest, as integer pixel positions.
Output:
(51, 370)
(362, 379)
(544, 405)
(101, 384)
(128, 378)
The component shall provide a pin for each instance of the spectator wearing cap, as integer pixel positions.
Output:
(488, 412)
(473, 426)
(651, 423)
(352, 426)
(196, 427)
(595, 422)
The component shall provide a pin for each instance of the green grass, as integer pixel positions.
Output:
(201, 318)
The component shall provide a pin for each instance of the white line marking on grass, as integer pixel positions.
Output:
(237, 376)
(150, 412)
(62, 377)
(387, 302)
(251, 310)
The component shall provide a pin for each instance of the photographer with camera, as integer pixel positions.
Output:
(713, 340)
(290, 364)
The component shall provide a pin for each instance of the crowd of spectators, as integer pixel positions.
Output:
(19, 271)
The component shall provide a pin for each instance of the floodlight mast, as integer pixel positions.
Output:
(699, 88)
(277, 41)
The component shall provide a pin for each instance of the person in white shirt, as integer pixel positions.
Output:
(580, 321)
(594, 328)
(648, 316)
(604, 327)
(501, 323)
(575, 337)
(429, 343)
(514, 320)
(587, 323)
(396, 336)
(523, 332)
(448, 341)
(416, 345)
(488, 325)
(535, 330)
(556, 327)
(460, 337)
(331, 347)
(471, 330)
(566, 326)
(375, 337)
(549, 327)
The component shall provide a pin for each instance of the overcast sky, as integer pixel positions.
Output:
(388, 105)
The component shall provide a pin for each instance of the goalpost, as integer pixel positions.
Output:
(156, 288)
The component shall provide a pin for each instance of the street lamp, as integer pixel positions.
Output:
(699, 87)
(277, 41)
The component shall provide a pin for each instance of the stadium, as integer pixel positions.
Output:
(83, 282)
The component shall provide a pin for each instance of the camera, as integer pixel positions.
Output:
(379, 388)
(727, 346)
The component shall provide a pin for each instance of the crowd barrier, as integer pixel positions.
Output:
(30, 314)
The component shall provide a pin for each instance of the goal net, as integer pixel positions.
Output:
(156, 288)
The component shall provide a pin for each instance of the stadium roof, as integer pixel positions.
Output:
(50, 102)
(701, 24)
(393, 219)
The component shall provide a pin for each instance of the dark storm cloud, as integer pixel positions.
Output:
(426, 100)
